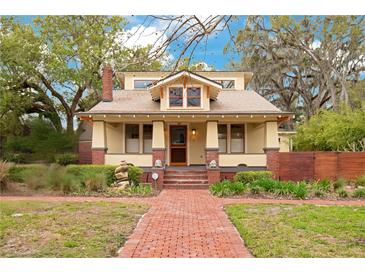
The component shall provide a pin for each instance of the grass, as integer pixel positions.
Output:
(65, 229)
(272, 231)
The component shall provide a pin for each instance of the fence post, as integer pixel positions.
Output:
(273, 161)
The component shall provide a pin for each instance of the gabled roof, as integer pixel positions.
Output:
(184, 73)
(229, 102)
(188, 73)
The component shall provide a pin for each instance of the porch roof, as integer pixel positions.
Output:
(229, 102)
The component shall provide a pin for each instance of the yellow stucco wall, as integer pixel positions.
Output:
(255, 137)
(231, 160)
(197, 143)
(114, 137)
(271, 135)
(286, 141)
(143, 160)
(158, 135)
(212, 134)
(98, 136)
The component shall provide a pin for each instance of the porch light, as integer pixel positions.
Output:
(193, 131)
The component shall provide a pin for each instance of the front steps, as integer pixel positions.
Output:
(185, 179)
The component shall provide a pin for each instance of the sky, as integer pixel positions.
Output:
(210, 52)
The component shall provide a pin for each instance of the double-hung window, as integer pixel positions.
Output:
(193, 97)
(237, 138)
(176, 96)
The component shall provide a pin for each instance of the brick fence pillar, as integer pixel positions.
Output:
(213, 174)
(158, 154)
(98, 156)
(272, 161)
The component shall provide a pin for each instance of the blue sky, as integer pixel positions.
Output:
(211, 53)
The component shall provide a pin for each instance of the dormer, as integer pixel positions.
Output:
(184, 90)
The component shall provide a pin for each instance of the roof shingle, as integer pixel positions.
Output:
(228, 101)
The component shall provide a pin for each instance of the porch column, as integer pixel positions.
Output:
(98, 147)
(272, 148)
(211, 152)
(158, 151)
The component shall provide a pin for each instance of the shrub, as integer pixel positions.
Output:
(140, 190)
(342, 193)
(323, 185)
(360, 181)
(4, 175)
(69, 184)
(319, 193)
(35, 178)
(20, 173)
(267, 184)
(84, 172)
(227, 188)
(134, 175)
(43, 141)
(255, 189)
(331, 131)
(66, 159)
(300, 191)
(339, 184)
(59, 179)
(96, 182)
(359, 193)
(248, 177)
(17, 158)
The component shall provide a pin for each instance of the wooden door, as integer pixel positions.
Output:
(178, 145)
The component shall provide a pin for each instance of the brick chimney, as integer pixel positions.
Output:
(107, 93)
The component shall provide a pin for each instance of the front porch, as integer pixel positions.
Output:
(185, 141)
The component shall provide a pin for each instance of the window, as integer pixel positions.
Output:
(193, 97)
(226, 84)
(132, 138)
(176, 96)
(222, 138)
(142, 84)
(147, 138)
(237, 138)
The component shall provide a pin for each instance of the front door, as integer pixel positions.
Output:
(178, 145)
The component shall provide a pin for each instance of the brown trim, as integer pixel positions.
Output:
(99, 148)
(212, 148)
(159, 149)
(171, 146)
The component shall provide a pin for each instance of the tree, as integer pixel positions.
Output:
(332, 131)
(303, 62)
(57, 64)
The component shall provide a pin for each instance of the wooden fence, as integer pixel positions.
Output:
(298, 166)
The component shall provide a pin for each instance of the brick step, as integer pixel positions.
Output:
(197, 176)
(185, 181)
(186, 186)
(184, 172)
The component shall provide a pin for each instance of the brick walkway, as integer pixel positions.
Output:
(185, 223)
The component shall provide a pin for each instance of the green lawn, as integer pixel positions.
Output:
(300, 230)
(65, 229)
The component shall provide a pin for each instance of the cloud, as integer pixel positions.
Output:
(316, 44)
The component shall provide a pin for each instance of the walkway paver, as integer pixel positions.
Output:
(185, 223)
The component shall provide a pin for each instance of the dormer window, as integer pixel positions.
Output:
(193, 97)
(176, 96)
(143, 84)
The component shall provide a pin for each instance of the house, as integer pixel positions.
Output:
(160, 120)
